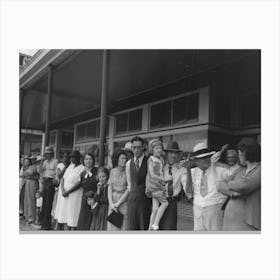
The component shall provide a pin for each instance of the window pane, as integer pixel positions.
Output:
(92, 129)
(161, 115)
(135, 120)
(81, 132)
(185, 109)
(121, 123)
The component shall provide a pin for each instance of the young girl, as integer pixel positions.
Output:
(155, 184)
(100, 203)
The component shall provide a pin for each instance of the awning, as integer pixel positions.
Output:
(77, 77)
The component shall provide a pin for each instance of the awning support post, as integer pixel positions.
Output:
(104, 92)
(21, 100)
(48, 106)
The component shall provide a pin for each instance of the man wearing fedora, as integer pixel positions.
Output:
(174, 186)
(47, 170)
(208, 202)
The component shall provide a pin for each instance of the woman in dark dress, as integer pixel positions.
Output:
(88, 183)
(100, 211)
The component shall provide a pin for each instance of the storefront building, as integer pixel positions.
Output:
(184, 95)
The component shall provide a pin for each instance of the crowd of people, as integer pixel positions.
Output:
(141, 189)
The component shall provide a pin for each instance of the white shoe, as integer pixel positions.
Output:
(155, 227)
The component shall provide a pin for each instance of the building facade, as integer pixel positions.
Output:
(188, 96)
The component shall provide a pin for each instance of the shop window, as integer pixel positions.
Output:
(160, 115)
(81, 132)
(130, 121)
(52, 140)
(175, 112)
(93, 129)
(185, 109)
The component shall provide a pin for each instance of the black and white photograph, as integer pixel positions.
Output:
(150, 140)
(139, 139)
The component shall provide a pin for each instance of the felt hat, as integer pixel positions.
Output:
(201, 150)
(75, 154)
(172, 146)
(49, 150)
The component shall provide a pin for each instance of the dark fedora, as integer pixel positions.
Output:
(49, 150)
(75, 154)
(172, 146)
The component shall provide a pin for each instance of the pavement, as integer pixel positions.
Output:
(182, 224)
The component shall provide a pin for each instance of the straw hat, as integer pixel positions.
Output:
(201, 150)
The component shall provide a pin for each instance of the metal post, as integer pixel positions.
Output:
(48, 105)
(104, 92)
(21, 99)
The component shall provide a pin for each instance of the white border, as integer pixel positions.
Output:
(153, 24)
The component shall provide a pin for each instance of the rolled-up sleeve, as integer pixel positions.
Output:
(246, 185)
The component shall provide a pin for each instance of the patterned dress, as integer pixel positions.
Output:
(118, 183)
(100, 213)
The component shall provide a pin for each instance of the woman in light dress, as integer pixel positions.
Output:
(69, 205)
(117, 191)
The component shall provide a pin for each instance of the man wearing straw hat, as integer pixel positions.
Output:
(47, 170)
(208, 202)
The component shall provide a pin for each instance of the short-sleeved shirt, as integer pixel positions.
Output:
(49, 168)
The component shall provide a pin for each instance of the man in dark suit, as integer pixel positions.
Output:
(139, 205)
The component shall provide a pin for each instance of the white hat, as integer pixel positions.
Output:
(201, 150)
(127, 146)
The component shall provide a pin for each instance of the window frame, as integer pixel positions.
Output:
(128, 111)
(171, 99)
(76, 128)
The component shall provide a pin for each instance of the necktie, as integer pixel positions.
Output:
(203, 185)
(137, 164)
(170, 183)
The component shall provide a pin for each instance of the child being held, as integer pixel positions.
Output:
(155, 184)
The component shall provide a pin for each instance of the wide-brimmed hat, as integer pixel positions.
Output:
(49, 150)
(201, 150)
(75, 154)
(32, 156)
(172, 146)
(39, 158)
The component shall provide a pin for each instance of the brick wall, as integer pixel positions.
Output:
(184, 210)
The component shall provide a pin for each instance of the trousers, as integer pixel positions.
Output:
(169, 218)
(208, 218)
(48, 195)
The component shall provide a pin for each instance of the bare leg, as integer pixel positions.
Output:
(160, 212)
(154, 212)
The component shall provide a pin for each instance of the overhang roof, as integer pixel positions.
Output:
(77, 77)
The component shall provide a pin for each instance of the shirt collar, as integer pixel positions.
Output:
(140, 159)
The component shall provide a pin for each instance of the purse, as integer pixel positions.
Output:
(116, 218)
